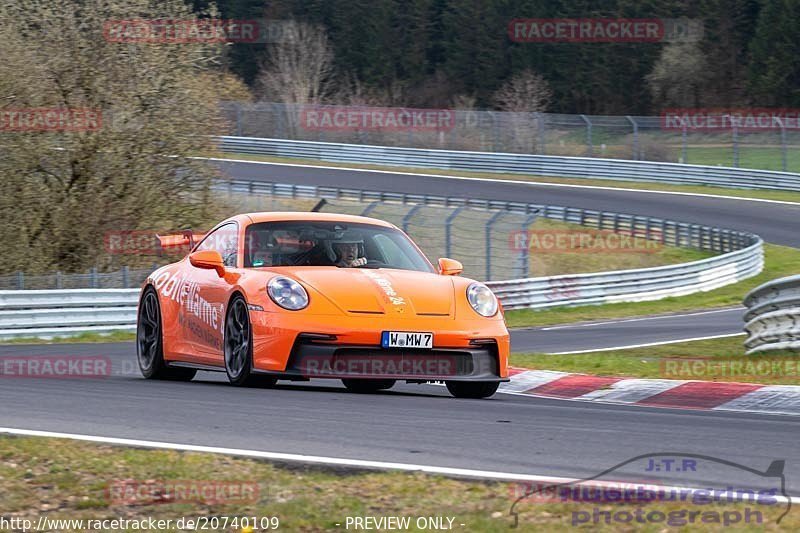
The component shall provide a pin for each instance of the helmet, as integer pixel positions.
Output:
(343, 237)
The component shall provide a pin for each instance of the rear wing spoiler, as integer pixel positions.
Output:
(183, 240)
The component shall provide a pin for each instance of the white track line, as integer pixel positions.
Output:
(623, 320)
(291, 457)
(645, 345)
(497, 180)
(333, 461)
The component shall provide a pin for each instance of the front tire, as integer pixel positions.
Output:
(364, 386)
(150, 342)
(238, 346)
(472, 389)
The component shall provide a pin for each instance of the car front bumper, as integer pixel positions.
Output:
(325, 347)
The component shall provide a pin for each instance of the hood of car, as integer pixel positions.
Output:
(364, 291)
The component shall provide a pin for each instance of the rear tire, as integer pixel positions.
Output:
(238, 348)
(472, 389)
(150, 342)
(365, 386)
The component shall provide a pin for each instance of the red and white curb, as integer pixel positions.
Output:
(673, 393)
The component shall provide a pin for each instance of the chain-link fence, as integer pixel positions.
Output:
(482, 239)
(684, 139)
(123, 278)
(478, 238)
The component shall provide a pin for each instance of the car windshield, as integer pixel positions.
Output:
(335, 244)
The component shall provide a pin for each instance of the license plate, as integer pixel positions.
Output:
(406, 339)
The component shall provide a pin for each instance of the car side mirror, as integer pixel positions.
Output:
(210, 259)
(450, 267)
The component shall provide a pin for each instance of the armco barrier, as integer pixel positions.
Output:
(772, 320)
(539, 165)
(65, 312)
(54, 313)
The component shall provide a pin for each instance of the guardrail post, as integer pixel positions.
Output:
(684, 152)
(238, 120)
(495, 133)
(448, 230)
(59, 281)
(20, 280)
(369, 209)
(407, 218)
(542, 133)
(589, 146)
(526, 252)
(125, 277)
(489, 225)
(783, 146)
(735, 130)
(635, 137)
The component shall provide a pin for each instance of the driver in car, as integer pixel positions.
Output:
(346, 251)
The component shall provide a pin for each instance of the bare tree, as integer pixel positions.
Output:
(678, 75)
(156, 105)
(352, 91)
(299, 69)
(525, 91)
(467, 102)
(524, 97)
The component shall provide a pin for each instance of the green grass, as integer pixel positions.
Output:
(575, 260)
(63, 479)
(113, 336)
(779, 261)
(766, 158)
(784, 196)
(667, 361)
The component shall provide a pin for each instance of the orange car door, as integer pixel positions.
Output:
(207, 299)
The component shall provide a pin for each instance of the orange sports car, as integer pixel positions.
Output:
(268, 296)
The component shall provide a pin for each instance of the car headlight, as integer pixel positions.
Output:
(482, 299)
(287, 293)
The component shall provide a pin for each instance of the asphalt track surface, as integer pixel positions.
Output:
(419, 424)
(422, 424)
(628, 332)
(774, 222)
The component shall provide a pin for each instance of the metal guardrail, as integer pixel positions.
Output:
(772, 320)
(540, 165)
(65, 312)
(714, 137)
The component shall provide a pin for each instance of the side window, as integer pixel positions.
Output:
(225, 240)
(392, 253)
